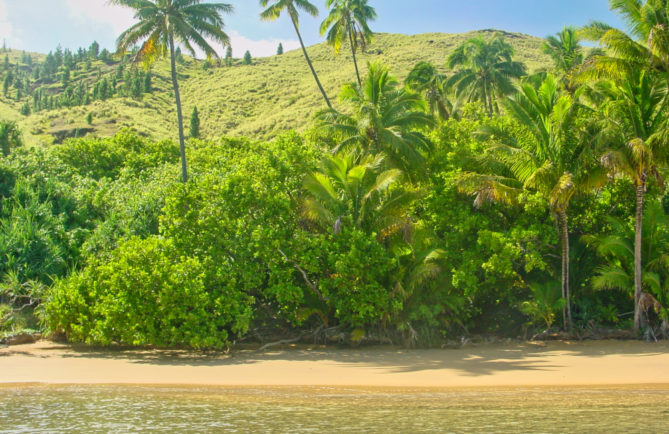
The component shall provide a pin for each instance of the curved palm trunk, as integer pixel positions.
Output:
(355, 60)
(638, 232)
(564, 239)
(180, 121)
(313, 71)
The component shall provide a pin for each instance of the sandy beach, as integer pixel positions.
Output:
(594, 363)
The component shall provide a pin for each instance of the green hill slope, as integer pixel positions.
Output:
(259, 100)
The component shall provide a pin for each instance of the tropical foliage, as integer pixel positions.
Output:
(468, 199)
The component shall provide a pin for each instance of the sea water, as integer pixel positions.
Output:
(120, 409)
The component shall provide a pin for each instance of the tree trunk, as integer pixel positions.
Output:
(638, 232)
(564, 239)
(488, 98)
(180, 120)
(313, 71)
(355, 60)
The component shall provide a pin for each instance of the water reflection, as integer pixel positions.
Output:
(322, 409)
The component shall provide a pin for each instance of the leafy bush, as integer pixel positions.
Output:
(147, 293)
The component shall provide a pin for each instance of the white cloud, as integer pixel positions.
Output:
(258, 48)
(7, 30)
(100, 12)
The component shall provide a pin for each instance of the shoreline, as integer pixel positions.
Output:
(600, 364)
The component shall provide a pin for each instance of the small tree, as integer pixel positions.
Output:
(247, 58)
(228, 56)
(195, 124)
(89, 118)
(279, 51)
(148, 86)
(10, 136)
(25, 109)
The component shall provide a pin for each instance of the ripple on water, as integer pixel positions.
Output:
(304, 410)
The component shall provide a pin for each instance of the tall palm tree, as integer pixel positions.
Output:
(645, 47)
(635, 131)
(485, 71)
(426, 80)
(164, 23)
(387, 120)
(348, 19)
(359, 192)
(10, 137)
(550, 156)
(274, 11)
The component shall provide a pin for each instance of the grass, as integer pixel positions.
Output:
(273, 94)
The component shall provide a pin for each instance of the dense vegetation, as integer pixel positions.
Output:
(472, 199)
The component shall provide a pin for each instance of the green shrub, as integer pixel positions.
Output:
(146, 293)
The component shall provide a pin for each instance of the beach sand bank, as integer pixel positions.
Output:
(591, 363)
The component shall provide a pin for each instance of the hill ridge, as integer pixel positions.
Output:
(274, 94)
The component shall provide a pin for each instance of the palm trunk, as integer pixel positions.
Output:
(180, 121)
(313, 71)
(638, 232)
(488, 98)
(355, 60)
(564, 239)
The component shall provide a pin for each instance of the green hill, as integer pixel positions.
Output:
(271, 95)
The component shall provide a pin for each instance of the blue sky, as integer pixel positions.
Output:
(40, 25)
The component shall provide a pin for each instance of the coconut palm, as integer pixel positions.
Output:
(347, 190)
(426, 80)
(485, 70)
(164, 23)
(348, 20)
(552, 156)
(274, 11)
(635, 131)
(645, 47)
(10, 137)
(565, 50)
(567, 54)
(387, 120)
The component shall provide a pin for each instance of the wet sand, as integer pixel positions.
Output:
(593, 363)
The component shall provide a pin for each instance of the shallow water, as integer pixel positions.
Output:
(320, 409)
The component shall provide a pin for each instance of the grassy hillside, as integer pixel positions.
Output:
(258, 100)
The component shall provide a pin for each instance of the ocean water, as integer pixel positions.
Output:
(121, 409)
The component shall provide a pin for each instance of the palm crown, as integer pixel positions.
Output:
(486, 70)
(348, 19)
(387, 119)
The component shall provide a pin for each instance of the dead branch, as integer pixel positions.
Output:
(309, 283)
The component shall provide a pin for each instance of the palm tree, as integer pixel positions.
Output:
(486, 70)
(646, 47)
(426, 80)
(567, 54)
(387, 120)
(10, 137)
(347, 190)
(348, 20)
(163, 23)
(618, 248)
(291, 7)
(635, 130)
(565, 50)
(550, 156)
